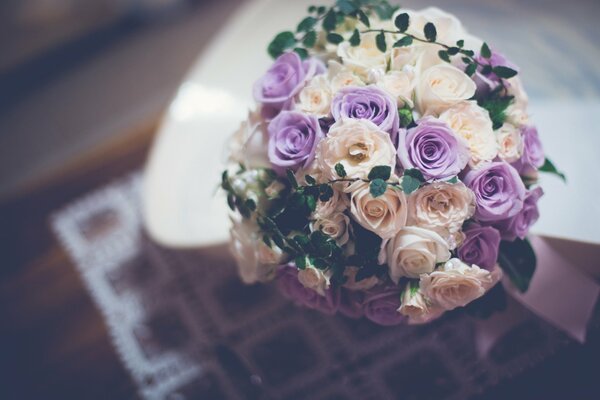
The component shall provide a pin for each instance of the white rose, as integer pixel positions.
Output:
(336, 204)
(510, 143)
(440, 87)
(337, 226)
(315, 279)
(441, 207)
(315, 98)
(364, 284)
(256, 261)
(516, 112)
(417, 307)
(364, 58)
(357, 144)
(409, 56)
(384, 215)
(415, 251)
(456, 284)
(400, 84)
(340, 77)
(473, 124)
(249, 144)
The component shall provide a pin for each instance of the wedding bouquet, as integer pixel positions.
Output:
(389, 169)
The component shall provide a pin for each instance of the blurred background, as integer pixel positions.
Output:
(74, 74)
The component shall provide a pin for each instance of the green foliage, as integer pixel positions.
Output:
(406, 116)
(402, 21)
(340, 170)
(310, 39)
(355, 38)
(550, 168)
(485, 51)
(306, 24)
(380, 42)
(430, 32)
(334, 38)
(404, 42)
(291, 178)
(283, 41)
(496, 107)
(377, 187)
(380, 172)
(504, 72)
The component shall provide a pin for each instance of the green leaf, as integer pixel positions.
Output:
(380, 41)
(453, 51)
(281, 42)
(453, 180)
(496, 107)
(300, 262)
(310, 39)
(250, 204)
(346, 6)
(410, 184)
(380, 172)
(460, 43)
(309, 179)
(340, 170)
(485, 51)
(303, 53)
(402, 21)
(550, 168)
(470, 70)
(326, 192)
(406, 116)
(430, 32)
(384, 10)
(306, 24)
(330, 20)
(363, 18)
(443, 54)
(334, 38)
(468, 53)
(414, 173)
(291, 178)
(311, 203)
(355, 38)
(518, 260)
(312, 9)
(321, 10)
(231, 201)
(504, 72)
(405, 41)
(377, 187)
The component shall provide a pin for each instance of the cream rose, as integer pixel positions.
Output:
(417, 307)
(415, 251)
(473, 124)
(364, 58)
(249, 144)
(384, 215)
(400, 84)
(516, 112)
(441, 207)
(337, 226)
(364, 284)
(340, 77)
(456, 284)
(315, 279)
(256, 261)
(315, 98)
(440, 87)
(510, 143)
(357, 144)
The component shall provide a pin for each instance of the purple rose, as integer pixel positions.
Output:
(289, 285)
(369, 102)
(499, 191)
(351, 303)
(293, 140)
(286, 77)
(381, 306)
(533, 153)
(480, 246)
(433, 149)
(489, 82)
(518, 226)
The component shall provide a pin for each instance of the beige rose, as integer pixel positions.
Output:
(510, 143)
(442, 86)
(336, 204)
(249, 144)
(456, 284)
(384, 215)
(400, 84)
(473, 124)
(415, 251)
(364, 58)
(417, 307)
(315, 279)
(340, 77)
(256, 261)
(441, 207)
(516, 112)
(357, 144)
(315, 98)
(364, 284)
(337, 226)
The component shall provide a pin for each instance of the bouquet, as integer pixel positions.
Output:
(389, 169)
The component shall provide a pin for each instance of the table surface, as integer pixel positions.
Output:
(54, 342)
